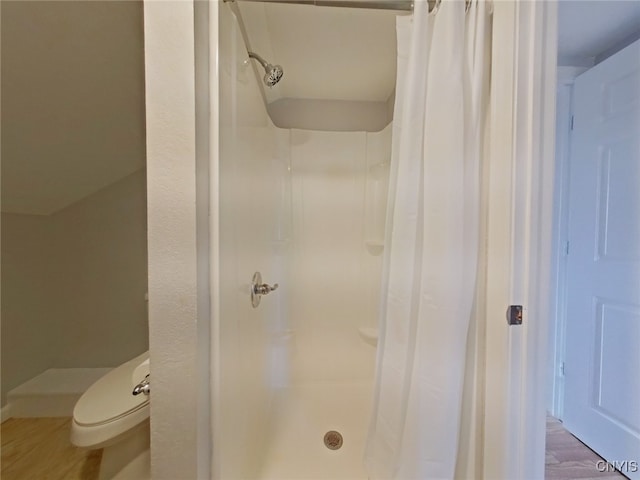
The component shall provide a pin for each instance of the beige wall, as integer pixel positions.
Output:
(72, 101)
(28, 327)
(99, 278)
(73, 284)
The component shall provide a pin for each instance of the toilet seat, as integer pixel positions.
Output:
(108, 409)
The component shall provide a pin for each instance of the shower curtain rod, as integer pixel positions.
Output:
(403, 5)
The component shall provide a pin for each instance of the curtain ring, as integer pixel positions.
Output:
(433, 6)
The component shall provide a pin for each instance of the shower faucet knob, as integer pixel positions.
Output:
(264, 288)
(258, 289)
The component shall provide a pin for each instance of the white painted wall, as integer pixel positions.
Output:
(172, 222)
(73, 284)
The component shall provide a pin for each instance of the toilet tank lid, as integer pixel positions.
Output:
(110, 397)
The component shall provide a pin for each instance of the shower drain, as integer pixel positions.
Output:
(333, 440)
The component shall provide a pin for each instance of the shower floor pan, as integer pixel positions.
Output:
(304, 414)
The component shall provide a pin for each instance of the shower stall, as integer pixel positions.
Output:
(284, 389)
(304, 208)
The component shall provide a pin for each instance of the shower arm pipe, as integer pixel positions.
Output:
(402, 5)
(262, 61)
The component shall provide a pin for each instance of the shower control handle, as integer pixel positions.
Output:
(264, 289)
(258, 289)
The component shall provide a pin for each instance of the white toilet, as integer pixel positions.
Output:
(109, 416)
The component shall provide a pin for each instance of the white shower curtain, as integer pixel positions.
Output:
(432, 241)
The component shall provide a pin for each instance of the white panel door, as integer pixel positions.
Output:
(602, 363)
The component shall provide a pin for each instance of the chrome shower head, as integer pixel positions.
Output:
(273, 73)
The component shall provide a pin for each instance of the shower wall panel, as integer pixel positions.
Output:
(254, 231)
(335, 277)
(292, 206)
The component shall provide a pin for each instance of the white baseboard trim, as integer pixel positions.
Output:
(5, 413)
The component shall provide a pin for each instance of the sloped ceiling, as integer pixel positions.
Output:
(72, 100)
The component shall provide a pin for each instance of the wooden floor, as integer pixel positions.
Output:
(39, 448)
(568, 458)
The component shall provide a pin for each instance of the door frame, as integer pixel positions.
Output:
(558, 281)
(521, 199)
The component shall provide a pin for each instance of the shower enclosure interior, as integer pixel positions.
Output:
(306, 209)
